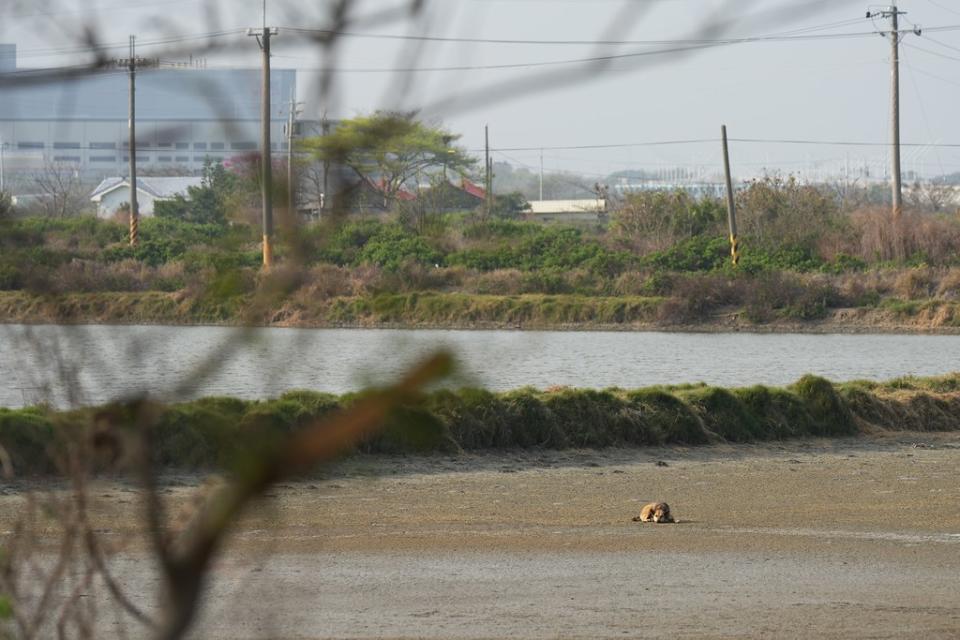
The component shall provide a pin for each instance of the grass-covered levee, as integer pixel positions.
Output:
(220, 433)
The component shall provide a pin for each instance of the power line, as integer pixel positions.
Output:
(628, 145)
(500, 41)
(106, 46)
(932, 53)
(943, 44)
(945, 8)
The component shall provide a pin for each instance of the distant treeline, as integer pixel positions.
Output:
(220, 433)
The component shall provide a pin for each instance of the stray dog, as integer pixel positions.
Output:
(658, 512)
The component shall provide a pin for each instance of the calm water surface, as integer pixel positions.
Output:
(93, 364)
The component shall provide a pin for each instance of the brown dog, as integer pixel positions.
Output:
(658, 512)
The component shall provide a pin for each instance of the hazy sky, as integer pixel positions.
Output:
(813, 88)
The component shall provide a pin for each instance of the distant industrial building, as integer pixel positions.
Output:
(185, 115)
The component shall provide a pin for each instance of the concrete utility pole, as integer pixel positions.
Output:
(291, 126)
(541, 175)
(488, 178)
(131, 64)
(266, 159)
(895, 34)
(731, 204)
(324, 199)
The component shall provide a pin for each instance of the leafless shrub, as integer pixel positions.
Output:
(61, 190)
(884, 237)
(949, 288)
(499, 282)
(914, 284)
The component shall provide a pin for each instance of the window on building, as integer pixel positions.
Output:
(183, 158)
(183, 145)
(217, 146)
(103, 158)
(29, 145)
(164, 159)
(244, 146)
(199, 145)
(103, 145)
(66, 158)
(66, 145)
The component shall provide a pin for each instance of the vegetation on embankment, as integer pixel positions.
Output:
(222, 432)
(439, 310)
(661, 260)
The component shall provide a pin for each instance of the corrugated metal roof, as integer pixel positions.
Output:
(568, 206)
(159, 187)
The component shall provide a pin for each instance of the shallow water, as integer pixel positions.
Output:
(72, 365)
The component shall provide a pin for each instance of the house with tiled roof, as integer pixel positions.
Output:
(113, 194)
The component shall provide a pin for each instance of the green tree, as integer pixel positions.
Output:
(206, 204)
(510, 205)
(390, 149)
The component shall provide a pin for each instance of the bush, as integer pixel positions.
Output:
(27, 435)
(830, 414)
(723, 415)
(392, 247)
(702, 253)
(777, 295)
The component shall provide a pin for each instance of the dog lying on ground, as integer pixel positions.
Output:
(658, 512)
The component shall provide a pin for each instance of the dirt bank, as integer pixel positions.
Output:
(848, 538)
(458, 312)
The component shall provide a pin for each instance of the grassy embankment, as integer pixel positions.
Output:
(221, 432)
(467, 274)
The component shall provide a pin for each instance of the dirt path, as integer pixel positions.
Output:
(827, 539)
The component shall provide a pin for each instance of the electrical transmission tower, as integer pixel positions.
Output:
(895, 35)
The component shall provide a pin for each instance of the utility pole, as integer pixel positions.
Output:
(488, 179)
(291, 126)
(541, 175)
(895, 34)
(131, 64)
(324, 199)
(266, 159)
(731, 204)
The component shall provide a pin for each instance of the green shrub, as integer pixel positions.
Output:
(779, 413)
(701, 253)
(11, 279)
(830, 414)
(723, 414)
(665, 419)
(27, 435)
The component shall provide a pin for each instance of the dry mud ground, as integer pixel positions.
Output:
(821, 538)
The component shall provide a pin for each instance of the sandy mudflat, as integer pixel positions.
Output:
(826, 539)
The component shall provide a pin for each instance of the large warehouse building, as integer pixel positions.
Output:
(184, 116)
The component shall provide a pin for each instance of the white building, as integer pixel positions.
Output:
(568, 210)
(185, 116)
(113, 194)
